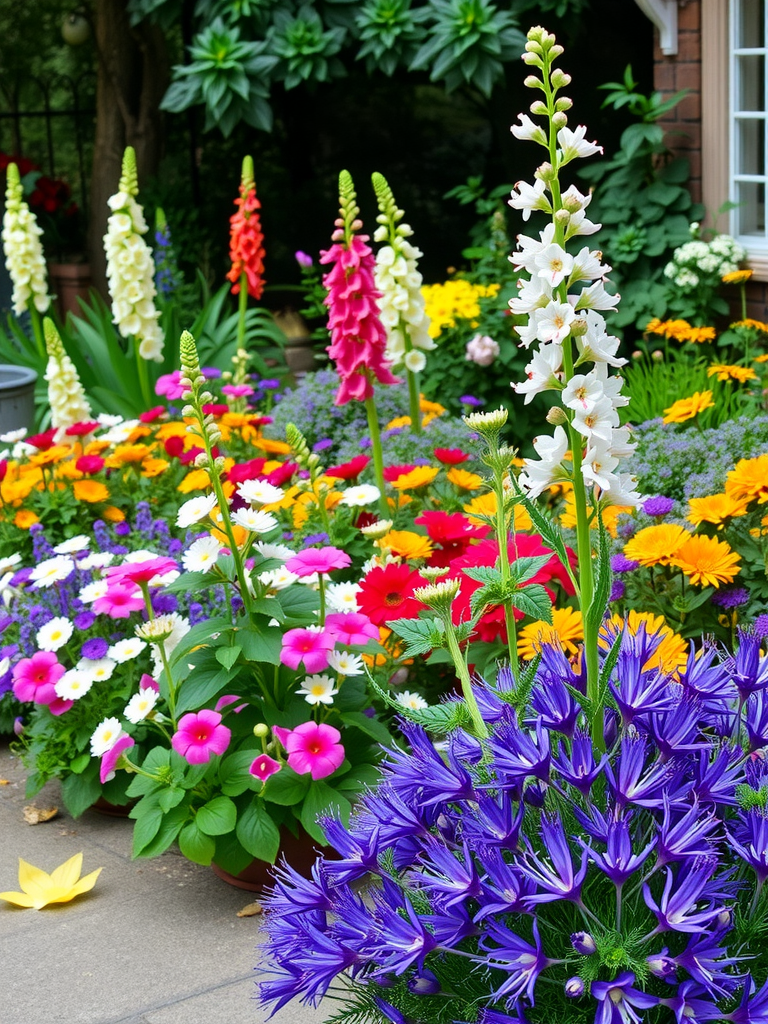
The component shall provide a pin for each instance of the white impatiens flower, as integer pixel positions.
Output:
(360, 495)
(73, 685)
(23, 250)
(194, 510)
(105, 736)
(407, 699)
(201, 554)
(318, 690)
(66, 395)
(130, 268)
(54, 634)
(141, 704)
(254, 520)
(126, 650)
(346, 663)
(51, 571)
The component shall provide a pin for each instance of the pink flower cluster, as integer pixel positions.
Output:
(35, 678)
(312, 747)
(358, 338)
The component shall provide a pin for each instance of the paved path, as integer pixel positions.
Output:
(155, 942)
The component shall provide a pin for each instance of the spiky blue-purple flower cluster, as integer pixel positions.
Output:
(532, 876)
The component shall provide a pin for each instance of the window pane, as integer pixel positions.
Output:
(750, 138)
(750, 214)
(751, 79)
(750, 22)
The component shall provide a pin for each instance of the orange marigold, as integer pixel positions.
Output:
(463, 479)
(90, 490)
(420, 476)
(726, 371)
(737, 276)
(715, 508)
(707, 561)
(656, 545)
(406, 544)
(748, 480)
(25, 518)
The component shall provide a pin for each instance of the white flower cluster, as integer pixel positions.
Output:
(130, 268)
(23, 250)
(698, 263)
(562, 296)
(401, 307)
(66, 396)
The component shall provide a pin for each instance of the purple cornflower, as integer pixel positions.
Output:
(676, 909)
(94, 649)
(316, 538)
(733, 597)
(658, 507)
(620, 563)
(323, 445)
(555, 876)
(471, 401)
(522, 961)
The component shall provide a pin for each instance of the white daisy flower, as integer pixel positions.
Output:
(96, 560)
(51, 571)
(411, 700)
(108, 420)
(54, 634)
(21, 450)
(255, 521)
(342, 597)
(140, 705)
(11, 436)
(201, 554)
(93, 591)
(260, 492)
(346, 663)
(6, 564)
(126, 650)
(195, 509)
(97, 669)
(318, 690)
(105, 736)
(73, 685)
(267, 550)
(73, 546)
(362, 494)
(278, 579)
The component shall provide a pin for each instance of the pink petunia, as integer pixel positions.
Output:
(314, 747)
(112, 756)
(237, 390)
(313, 560)
(199, 735)
(168, 386)
(349, 628)
(120, 600)
(148, 683)
(307, 645)
(264, 766)
(35, 678)
(141, 572)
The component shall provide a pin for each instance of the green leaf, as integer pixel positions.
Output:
(227, 656)
(420, 635)
(200, 635)
(525, 568)
(323, 799)
(286, 787)
(196, 845)
(258, 833)
(261, 644)
(79, 792)
(234, 774)
(217, 816)
(438, 718)
(169, 798)
(149, 818)
(370, 726)
(533, 601)
(169, 829)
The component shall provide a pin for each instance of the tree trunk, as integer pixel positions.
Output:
(132, 78)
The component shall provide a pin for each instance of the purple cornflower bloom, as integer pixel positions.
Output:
(322, 445)
(504, 887)
(730, 598)
(756, 720)
(424, 984)
(402, 939)
(677, 730)
(522, 961)
(620, 563)
(556, 708)
(747, 668)
(716, 778)
(688, 1006)
(94, 649)
(689, 836)
(359, 853)
(630, 782)
(316, 538)
(470, 400)
(658, 507)
(753, 1008)
(707, 962)
(618, 1000)
(618, 862)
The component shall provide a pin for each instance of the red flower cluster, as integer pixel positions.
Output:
(386, 594)
(49, 195)
(349, 470)
(246, 244)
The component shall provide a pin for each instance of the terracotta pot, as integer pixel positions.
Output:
(103, 806)
(299, 851)
(69, 282)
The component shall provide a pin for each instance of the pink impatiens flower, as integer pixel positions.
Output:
(313, 560)
(112, 756)
(199, 735)
(35, 678)
(264, 766)
(314, 747)
(349, 628)
(308, 645)
(141, 572)
(120, 600)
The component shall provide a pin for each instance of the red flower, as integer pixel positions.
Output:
(246, 243)
(386, 594)
(282, 474)
(391, 473)
(349, 470)
(243, 471)
(42, 441)
(152, 414)
(90, 464)
(216, 409)
(81, 429)
(451, 456)
(3, 468)
(452, 531)
(174, 446)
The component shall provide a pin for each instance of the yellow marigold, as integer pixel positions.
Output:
(96, 447)
(434, 408)
(672, 653)
(113, 514)
(707, 561)
(195, 480)
(68, 470)
(153, 467)
(463, 479)
(51, 455)
(25, 518)
(452, 300)
(757, 325)
(656, 545)
(715, 508)
(697, 335)
(737, 276)
(398, 421)
(235, 419)
(13, 491)
(748, 480)
(272, 447)
(128, 454)
(406, 544)
(725, 371)
(299, 514)
(238, 532)
(173, 429)
(139, 431)
(419, 476)
(567, 628)
(761, 359)
(90, 491)
(678, 330)
(287, 500)
(687, 408)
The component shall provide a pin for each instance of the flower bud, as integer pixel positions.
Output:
(724, 918)
(260, 730)
(583, 943)
(574, 988)
(579, 328)
(424, 984)
(534, 60)
(556, 416)
(657, 356)
(559, 120)
(563, 103)
(398, 677)
(18, 726)
(201, 460)
(637, 354)
(539, 108)
(533, 46)
(559, 79)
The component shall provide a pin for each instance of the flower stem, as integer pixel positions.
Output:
(378, 458)
(413, 401)
(502, 539)
(242, 306)
(37, 330)
(480, 728)
(141, 368)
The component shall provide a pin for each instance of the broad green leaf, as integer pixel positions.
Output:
(227, 656)
(217, 816)
(196, 845)
(533, 601)
(323, 799)
(234, 774)
(286, 787)
(257, 833)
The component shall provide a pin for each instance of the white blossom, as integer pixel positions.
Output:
(66, 396)
(23, 250)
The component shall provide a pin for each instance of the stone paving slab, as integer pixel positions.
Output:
(156, 941)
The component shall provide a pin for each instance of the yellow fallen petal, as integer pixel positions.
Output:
(68, 873)
(33, 880)
(84, 885)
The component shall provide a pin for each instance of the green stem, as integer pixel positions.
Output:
(321, 582)
(481, 729)
(378, 458)
(141, 367)
(242, 306)
(37, 331)
(413, 401)
(502, 539)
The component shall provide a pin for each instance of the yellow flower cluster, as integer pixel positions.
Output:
(727, 371)
(705, 561)
(454, 300)
(686, 408)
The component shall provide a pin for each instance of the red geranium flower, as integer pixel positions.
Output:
(451, 456)
(90, 464)
(81, 429)
(282, 474)
(216, 409)
(386, 594)
(42, 441)
(349, 470)
(393, 472)
(174, 446)
(452, 531)
(243, 471)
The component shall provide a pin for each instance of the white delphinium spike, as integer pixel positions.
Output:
(66, 396)
(23, 250)
(130, 268)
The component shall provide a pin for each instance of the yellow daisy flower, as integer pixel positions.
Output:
(128, 454)
(463, 479)
(195, 480)
(687, 408)
(715, 509)
(399, 421)
(25, 518)
(656, 545)
(707, 561)
(91, 491)
(566, 629)
(748, 480)
(113, 515)
(419, 476)
(672, 653)
(726, 371)
(406, 544)
(737, 276)
(757, 325)
(151, 468)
